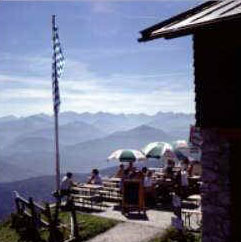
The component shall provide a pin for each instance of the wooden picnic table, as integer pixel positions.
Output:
(111, 189)
(86, 195)
(90, 189)
(91, 186)
(115, 179)
(112, 182)
(196, 198)
(195, 178)
(192, 215)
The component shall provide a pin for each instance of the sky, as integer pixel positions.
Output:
(106, 69)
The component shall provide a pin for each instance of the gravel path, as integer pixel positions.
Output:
(128, 232)
(134, 229)
(154, 218)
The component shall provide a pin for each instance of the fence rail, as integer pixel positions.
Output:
(41, 216)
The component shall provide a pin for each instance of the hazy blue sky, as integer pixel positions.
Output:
(106, 69)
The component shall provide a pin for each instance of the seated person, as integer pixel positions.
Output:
(144, 171)
(124, 177)
(120, 172)
(66, 185)
(147, 182)
(95, 178)
(141, 174)
(131, 171)
(131, 168)
(196, 169)
(149, 189)
(168, 170)
(185, 164)
(184, 182)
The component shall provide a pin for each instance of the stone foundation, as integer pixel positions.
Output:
(216, 202)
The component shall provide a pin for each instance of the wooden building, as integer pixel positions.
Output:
(216, 30)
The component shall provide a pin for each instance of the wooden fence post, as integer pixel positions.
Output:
(48, 214)
(55, 234)
(74, 223)
(18, 208)
(33, 212)
(17, 202)
(57, 208)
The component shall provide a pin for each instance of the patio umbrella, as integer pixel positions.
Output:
(158, 150)
(180, 144)
(127, 155)
(181, 149)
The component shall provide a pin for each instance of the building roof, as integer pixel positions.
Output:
(207, 14)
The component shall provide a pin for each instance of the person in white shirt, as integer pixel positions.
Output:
(149, 190)
(66, 184)
(184, 182)
(184, 178)
(148, 180)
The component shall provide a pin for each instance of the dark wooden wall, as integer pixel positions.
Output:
(217, 61)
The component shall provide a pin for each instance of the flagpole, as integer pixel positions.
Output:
(57, 151)
(57, 163)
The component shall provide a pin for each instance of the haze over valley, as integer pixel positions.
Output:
(86, 140)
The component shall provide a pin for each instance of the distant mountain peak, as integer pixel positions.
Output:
(147, 129)
(38, 116)
(8, 118)
(144, 127)
(69, 113)
(141, 130)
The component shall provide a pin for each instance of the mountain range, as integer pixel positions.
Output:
(86, 140)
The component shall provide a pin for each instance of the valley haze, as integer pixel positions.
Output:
(86, 140)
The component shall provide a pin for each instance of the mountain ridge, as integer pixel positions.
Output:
(28, 142)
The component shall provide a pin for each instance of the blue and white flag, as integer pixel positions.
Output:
(57, 67)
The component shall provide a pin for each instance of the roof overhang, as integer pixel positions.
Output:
(208, 14)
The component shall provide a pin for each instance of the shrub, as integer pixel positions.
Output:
(171, 234)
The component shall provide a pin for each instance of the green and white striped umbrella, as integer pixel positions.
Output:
(181, 149)
(127, 155)
(157, 150)
(179, 144)
(184, 150)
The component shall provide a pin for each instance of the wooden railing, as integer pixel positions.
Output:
(41, 216)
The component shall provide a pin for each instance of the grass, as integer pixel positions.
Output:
(173, 235)
(8, 234)
(90, 226)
